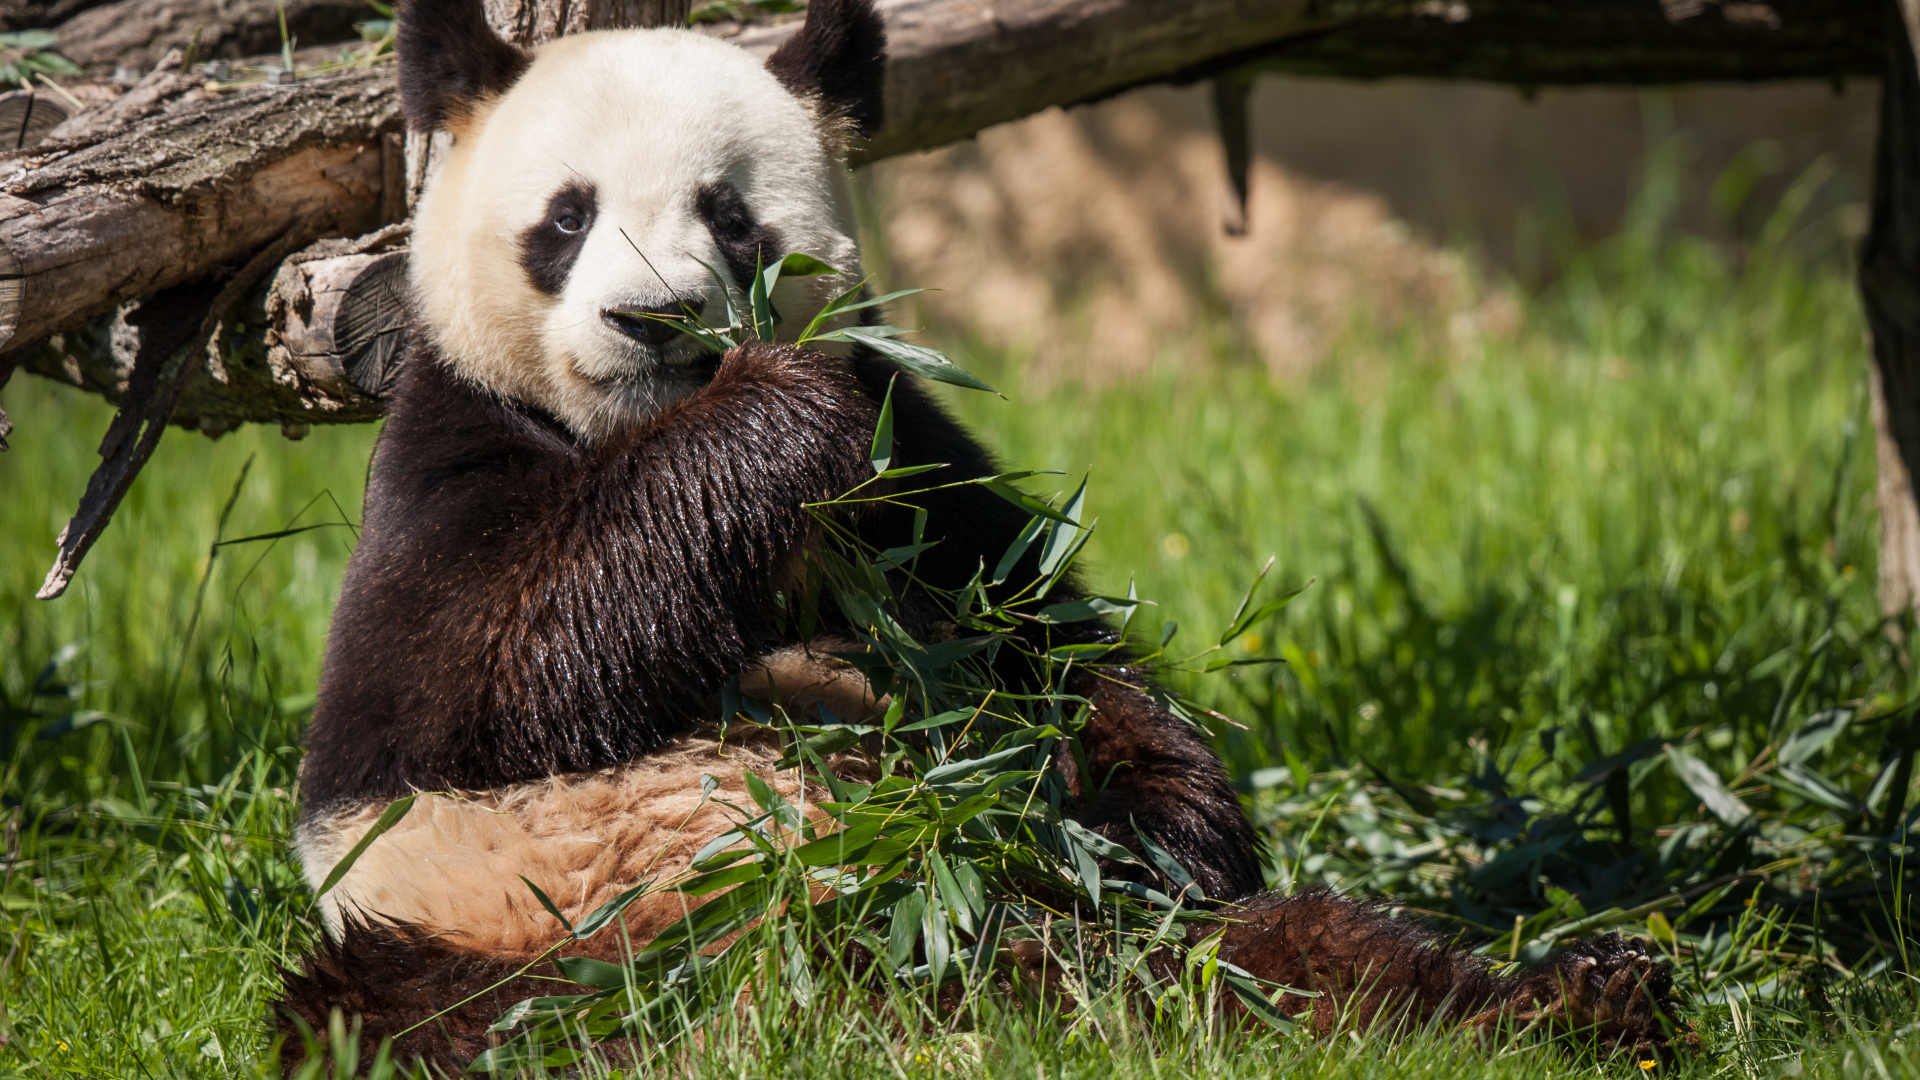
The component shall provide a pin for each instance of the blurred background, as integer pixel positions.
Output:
(1091, 239)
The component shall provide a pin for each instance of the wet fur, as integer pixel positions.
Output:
(1369, 969)
(520, 605)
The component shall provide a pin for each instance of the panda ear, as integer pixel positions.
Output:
(450, 60)
(840, 57)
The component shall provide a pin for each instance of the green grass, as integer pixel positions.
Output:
(1645, 518)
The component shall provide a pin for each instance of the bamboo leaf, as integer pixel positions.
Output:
(389, 817)
(918, 359)
(595, 973)
(609, 911)
(1016, 550)
(1247, 989)
(1092, 607)
(972, 765)
(552, 908)
(880, 452)
(904, 933)
(1060, 539)
(1705, 785)
(1244, 619)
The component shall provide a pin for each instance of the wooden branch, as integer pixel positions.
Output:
(138, 33)
(318, 342)
(176, 325)
(200, 183)
(957, 67)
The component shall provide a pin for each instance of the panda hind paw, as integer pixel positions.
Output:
(1608, 990)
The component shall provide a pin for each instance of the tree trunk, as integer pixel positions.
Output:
(530, 22)
(1890, 287)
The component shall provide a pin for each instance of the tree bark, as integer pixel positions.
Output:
(139, 32)
(530, 22)
(1890, 288)
(318, 342)
(87, 224)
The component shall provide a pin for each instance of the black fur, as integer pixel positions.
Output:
(839, 56)
(549, 247)
(521, 605)
(746, 242)
(450, 59)
(1369, 968)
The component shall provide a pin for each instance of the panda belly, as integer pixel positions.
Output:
(452, 865)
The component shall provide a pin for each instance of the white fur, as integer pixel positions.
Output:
(452, 865)
(648, 117)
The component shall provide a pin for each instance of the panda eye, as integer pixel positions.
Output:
(567, 223)
(726, 214)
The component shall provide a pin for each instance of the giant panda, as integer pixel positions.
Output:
(576, 519)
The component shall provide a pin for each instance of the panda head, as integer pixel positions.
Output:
(611, 174)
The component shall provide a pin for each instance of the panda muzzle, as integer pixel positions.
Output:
(646, 325)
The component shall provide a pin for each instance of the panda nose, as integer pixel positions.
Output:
(634, 322)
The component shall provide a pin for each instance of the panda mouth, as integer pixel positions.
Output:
(662, 344)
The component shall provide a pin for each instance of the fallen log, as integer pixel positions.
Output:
(318, 342)
(1583, 42)
(137, 33)
(85, 224)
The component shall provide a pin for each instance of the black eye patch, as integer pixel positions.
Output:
(743, 241)
(550, 246)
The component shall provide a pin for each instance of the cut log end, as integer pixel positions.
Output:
(336, 315)
(12, 288)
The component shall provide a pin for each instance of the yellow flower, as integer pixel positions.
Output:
(61, 1043)
(1648, 1064)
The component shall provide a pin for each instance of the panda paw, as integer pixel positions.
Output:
(1606, 989)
